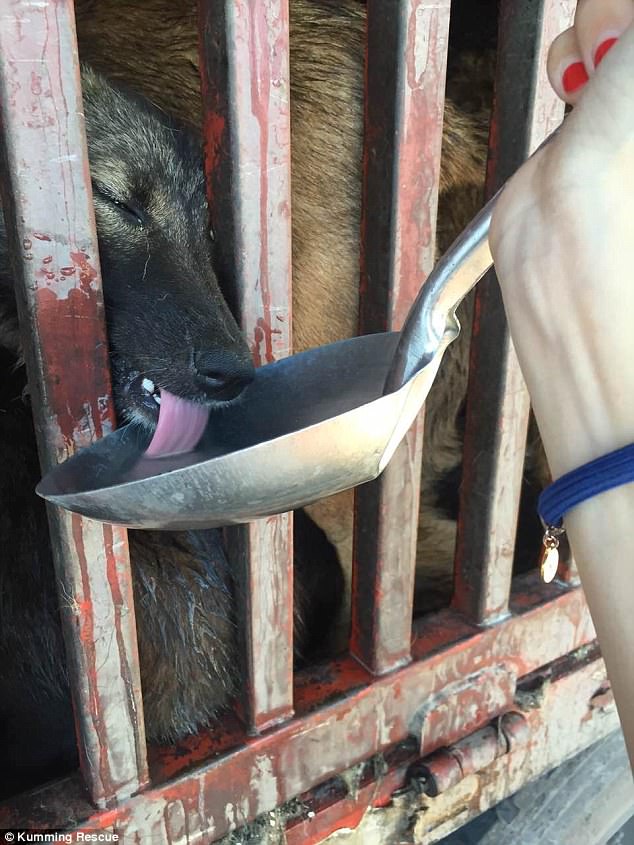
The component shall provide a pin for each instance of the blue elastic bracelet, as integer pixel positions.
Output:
(583, 483)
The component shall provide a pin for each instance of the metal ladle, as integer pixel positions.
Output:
(308, 426)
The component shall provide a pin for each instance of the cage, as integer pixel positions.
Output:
(431, 720)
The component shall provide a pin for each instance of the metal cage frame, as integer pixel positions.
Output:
(513, 667)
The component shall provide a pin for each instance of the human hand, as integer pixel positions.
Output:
(562, 237)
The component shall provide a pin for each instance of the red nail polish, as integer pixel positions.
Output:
(574, 77)
(603, 48)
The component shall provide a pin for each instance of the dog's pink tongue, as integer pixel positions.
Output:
(180, 426)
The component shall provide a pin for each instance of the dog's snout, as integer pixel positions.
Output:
(222, 377)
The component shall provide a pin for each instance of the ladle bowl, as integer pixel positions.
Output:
(309, 426)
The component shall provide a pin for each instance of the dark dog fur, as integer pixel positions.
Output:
(164, 308)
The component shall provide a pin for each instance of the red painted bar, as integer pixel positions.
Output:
(568, 572)
(342, 720)
(64, 340)
(526, 110)
(335, 804)
(245, 79)
(406, 68)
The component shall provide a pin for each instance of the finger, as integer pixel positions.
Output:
(566, 69)
(598, 25)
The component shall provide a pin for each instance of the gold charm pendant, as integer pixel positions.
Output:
(549, 560)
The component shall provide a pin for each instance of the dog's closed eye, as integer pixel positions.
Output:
(127, 207)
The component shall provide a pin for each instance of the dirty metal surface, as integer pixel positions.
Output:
(561, 727)
(526, 110)
(48, 206)
(584, 800)
(474, 752)
(460, 701)
(245, 84)
(406, 69)
(221, 782)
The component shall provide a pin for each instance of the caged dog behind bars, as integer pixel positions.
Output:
(498, 684)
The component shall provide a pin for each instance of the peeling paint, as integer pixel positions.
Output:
(263, 782)
(245, 92)
(404, 119)
(50, 222)
(214, 775)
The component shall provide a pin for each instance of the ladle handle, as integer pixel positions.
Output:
(433, 313)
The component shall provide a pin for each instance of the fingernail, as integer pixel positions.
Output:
(602, 49)
(574, 77)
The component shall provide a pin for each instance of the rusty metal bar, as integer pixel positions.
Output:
(347, 717)
(568, 572)
(244, 67)
(526, 110)
(48, 209)
(448, 766)
(406, 69)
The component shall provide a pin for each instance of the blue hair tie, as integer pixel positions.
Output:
(604, 473)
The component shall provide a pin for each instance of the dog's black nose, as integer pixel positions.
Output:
(222, 376)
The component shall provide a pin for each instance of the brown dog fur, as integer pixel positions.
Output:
(151, 45)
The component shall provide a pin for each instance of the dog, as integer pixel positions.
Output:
(171, 333)
(327, 47)
(188, 670)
